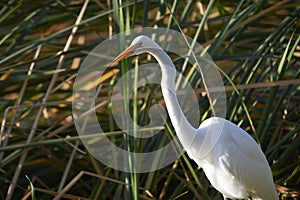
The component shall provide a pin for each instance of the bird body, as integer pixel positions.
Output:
(234, 163)
(229, 156)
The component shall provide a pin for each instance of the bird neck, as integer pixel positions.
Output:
(184, 130)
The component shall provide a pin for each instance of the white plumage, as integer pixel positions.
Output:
(229, 156)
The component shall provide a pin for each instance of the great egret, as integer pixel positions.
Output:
(233, 162)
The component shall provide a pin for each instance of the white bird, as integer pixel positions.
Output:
(229, 156)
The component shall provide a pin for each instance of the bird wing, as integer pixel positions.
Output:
(244, 161)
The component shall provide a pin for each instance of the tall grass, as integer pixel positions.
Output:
(42, 43)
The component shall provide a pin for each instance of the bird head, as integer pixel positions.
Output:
(140, 44)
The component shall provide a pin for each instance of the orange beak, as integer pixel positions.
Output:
(126, 53)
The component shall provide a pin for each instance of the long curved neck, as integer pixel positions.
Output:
(184, 130)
